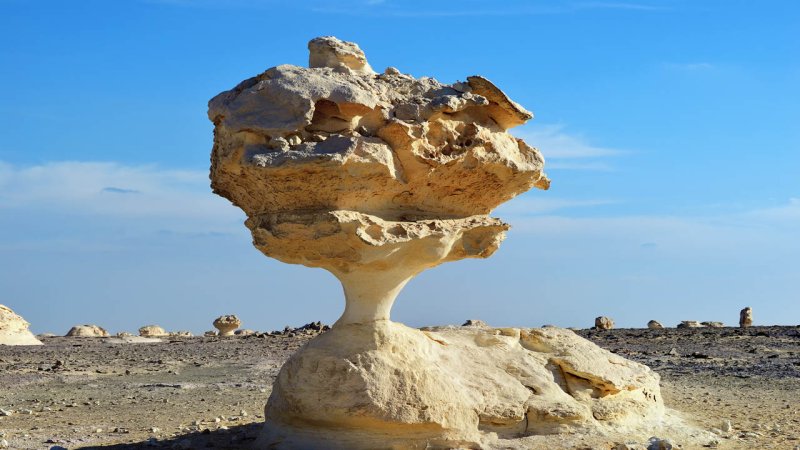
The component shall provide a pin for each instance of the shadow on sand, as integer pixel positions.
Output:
(234, 438)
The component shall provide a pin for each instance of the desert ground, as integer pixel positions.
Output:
(209, 392)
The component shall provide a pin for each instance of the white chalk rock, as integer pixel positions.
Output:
(152, 331)
(603, 323)
(377, 178)
(227, 324)
(87, 331)
(14, 329)
(446, 388)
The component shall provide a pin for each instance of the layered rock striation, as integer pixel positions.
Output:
(375, 178)
(14, 329)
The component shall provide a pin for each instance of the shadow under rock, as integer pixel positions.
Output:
(235, 438)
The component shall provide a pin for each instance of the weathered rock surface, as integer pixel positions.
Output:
(152, 331)
(654, 325)
(376, 178)
(690, 324)
(87, 331)
(14, 329)
(445, 388)
(712, 324)
(603, 323)
(746, 317)
(227, 324)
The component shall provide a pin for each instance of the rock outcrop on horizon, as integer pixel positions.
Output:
(87, 331)
(152, 331)
(375, 178)
(690, 324)
(746, 317)
(14, 329)
(654, 325)
(603, 323)
(227, 324)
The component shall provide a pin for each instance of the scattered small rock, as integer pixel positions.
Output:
(87, 331)
(603, 323)
(746, 317)
(152, 331)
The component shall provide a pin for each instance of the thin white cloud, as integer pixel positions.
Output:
(163, 198)
(524, 206)
(568, 151)
(761, 230)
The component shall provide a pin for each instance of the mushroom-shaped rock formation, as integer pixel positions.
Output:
(227, 324)
(87, 331)
(654, 325)
(375, 178)
(152, 331)
(14, 329)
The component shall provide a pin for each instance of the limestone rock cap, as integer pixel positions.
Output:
(389, 145)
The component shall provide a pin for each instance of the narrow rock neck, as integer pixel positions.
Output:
(369, 296)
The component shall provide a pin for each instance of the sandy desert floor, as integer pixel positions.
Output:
(209, 392)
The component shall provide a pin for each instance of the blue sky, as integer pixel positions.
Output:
(669, 128)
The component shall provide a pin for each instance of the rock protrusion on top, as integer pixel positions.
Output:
(14, 329)
(328, 51)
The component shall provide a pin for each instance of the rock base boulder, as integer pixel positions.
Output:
(385, 385)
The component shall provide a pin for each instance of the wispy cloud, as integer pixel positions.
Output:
(525, 206)
(155, 197)
(116, 190)
(563, 150)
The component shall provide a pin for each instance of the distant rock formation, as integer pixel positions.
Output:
(475, 323)
(14, 329)
(375, 178)
(712, 324)
(746, 317)
(181, 334)
(227, 324)
(603, 323)
(87, 331)
(654, 325)
(152, 331)
(690, 324)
